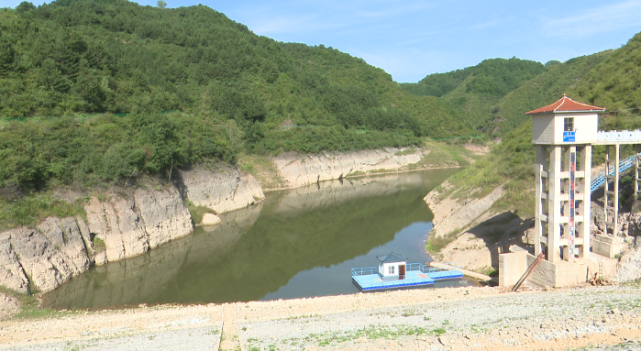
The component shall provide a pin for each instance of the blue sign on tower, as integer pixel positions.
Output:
(568, 137)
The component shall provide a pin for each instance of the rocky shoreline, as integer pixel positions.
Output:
(128, 222)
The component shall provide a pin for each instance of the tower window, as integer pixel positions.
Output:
(568, 124)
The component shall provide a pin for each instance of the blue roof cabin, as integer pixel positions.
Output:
(392, 266)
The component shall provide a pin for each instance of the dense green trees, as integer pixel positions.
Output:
(118, 70)
(476, 90)
(106, 148)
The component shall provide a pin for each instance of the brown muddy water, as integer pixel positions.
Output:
(297, 243)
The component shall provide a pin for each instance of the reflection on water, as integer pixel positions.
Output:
(297, 243)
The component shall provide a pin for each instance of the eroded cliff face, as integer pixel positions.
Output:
(298, 170)
(223, 190)
(451, 215)
(474, 231)
(130, 227)
(47, 256)
(128, 222)
(123, 224)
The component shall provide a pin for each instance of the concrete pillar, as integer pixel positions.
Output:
(541, 180)
(586, 200)
(637, 168)
(569, 192)
(611, 197)
(554, 205)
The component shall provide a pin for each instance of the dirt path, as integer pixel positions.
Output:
(229, 339)
(422, 319)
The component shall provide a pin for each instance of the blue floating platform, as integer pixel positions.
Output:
(368, 279)
(444, 275)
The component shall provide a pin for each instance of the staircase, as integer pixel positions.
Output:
(624, 165)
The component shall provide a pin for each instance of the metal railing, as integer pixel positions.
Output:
(624, 165)
(619, 135)
(408, 267)
(364, 271)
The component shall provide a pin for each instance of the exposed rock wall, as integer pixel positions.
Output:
(164, 214)
(452, 214)
(12, 275)
(629, 266)
(60, 249)
(224, 190)
(120, 228)
(130, 227)
(126, 225)
(46, 265)
(129, 223)
(298, 170)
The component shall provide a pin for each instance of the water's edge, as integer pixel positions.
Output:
(297, 243)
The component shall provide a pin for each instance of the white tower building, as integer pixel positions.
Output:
(563, 133)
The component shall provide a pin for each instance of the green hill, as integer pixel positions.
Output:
(476, 90)
(148, 89)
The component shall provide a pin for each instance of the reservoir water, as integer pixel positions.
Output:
(297, 243)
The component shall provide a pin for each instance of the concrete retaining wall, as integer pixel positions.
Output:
(513, 265)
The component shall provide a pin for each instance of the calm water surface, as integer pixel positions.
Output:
(297, 243)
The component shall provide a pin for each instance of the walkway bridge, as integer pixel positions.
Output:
(624, 165)
(615, 137)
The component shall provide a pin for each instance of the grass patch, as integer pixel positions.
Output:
(487, 270)
(197, 212)
(435, 244)
(371, 333)
(30, 306)
(99, 245)
(446, 155)
(33, 208)
(262, 168)
(356, 174)
(408, 151)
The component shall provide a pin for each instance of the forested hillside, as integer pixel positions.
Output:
(610, 79)
(475, 91)
(99, 92)
(145, 90)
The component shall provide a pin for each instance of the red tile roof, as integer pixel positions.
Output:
(566, 104)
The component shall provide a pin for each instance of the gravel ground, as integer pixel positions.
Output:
(186, 328)
(184, 339)
(528, 321)
(606, 318)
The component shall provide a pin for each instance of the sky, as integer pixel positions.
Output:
(411, 39)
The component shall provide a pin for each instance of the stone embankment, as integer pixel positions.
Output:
(125, 223)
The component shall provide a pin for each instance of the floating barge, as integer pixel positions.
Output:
(394, 273)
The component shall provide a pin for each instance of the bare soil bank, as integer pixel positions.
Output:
(422, 319)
